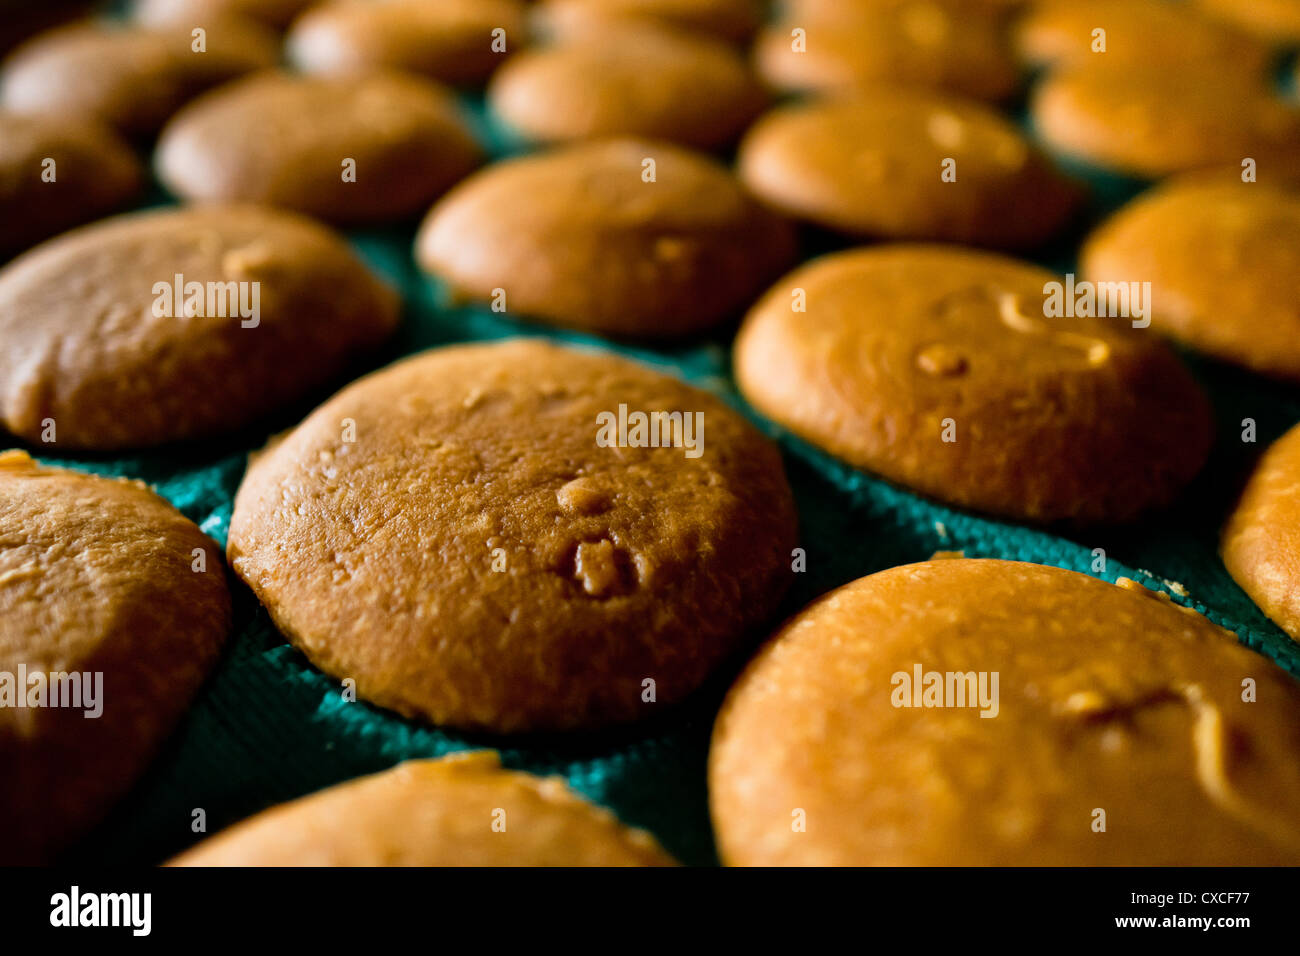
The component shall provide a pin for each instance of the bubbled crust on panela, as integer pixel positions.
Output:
(902, 347)
(615, 565)
(1109, 698)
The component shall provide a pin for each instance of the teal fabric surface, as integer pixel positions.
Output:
(268, 727)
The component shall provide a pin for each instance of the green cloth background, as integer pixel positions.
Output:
(268, 727)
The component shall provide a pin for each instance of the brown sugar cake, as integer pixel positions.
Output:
(630, 79)
(453, 41)
(479, 536)
(1261, 542)
(915, 44)
(907, 164)
(896, 359)
(462, 810)
(625, 237)
(996, 713)
(164, 325)
(113, 608)
(55, 174)
(1222, 258)
(349, 150)
(1065, 33)
(127, 76)
(1149, 120)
